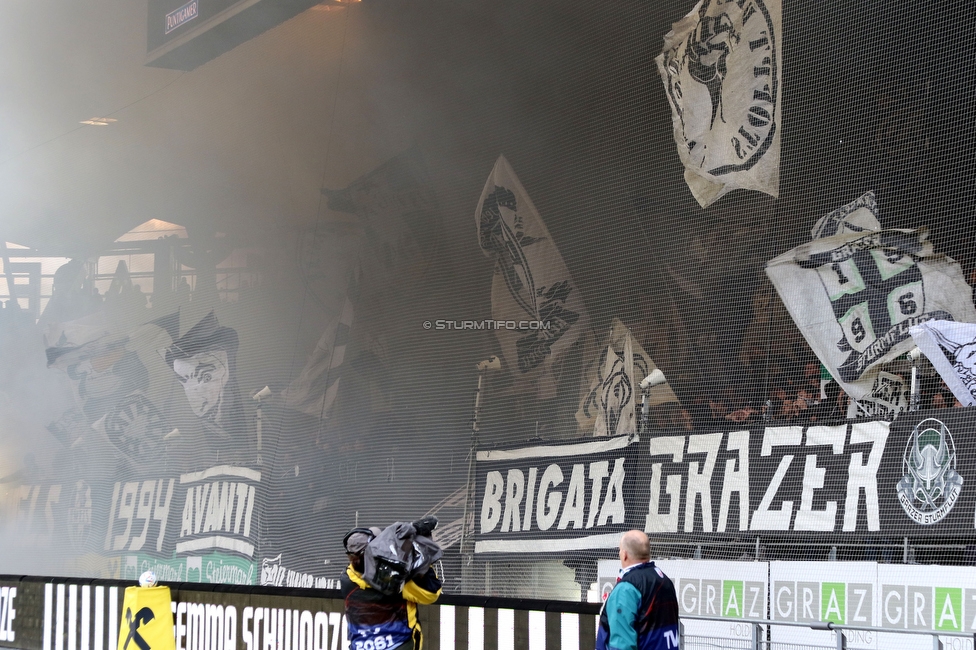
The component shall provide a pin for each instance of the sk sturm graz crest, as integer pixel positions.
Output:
(721, 71)
(930, 485)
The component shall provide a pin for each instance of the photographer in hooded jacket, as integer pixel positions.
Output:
(383, 615)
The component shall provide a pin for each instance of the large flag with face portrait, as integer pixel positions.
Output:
(204, 360)
(855, 296)
(722, 72)
(119, 384)
(531, 282)
(951, 347)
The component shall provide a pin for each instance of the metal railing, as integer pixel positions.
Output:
(758, 642)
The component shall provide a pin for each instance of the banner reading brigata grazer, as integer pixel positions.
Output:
(914, 477)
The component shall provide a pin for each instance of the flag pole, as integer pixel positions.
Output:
(11, 290)
(467, 550)
(914, 396)
(469, 491)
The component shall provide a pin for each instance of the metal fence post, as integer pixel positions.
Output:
(936, 642)
(841, 640)
(681, 635)
(756, 631)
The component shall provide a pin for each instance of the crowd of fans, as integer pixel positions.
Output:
(804, 396)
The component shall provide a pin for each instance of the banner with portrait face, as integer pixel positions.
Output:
(205, 363)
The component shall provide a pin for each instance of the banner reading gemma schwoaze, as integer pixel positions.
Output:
(913, 477)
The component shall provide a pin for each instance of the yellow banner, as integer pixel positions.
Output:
(147, 619)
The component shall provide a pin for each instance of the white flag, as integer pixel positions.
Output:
(532, 287)
(951, 347)
(860, 215)
(613, 376)
(722, 71)
(888, 396)
(855, 296)
(616, 412)
(314, 391)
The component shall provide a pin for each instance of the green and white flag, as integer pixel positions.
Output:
(855, 296)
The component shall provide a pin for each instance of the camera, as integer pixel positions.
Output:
(400, 552)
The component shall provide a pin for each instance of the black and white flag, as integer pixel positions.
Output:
(531, 284)
(612, 401)
(888, 396)
(314, 391)
(722, 68)
(616, 412)
(855, 296)
(860, 215)
(951, 347)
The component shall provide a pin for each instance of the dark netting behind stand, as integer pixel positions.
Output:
(299, 213)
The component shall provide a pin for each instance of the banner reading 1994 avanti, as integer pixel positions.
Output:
(197, 526)
(913, 477)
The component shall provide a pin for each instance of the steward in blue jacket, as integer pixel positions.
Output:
(641, 612)
(378, 621)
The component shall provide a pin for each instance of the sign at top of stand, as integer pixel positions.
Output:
(183, 35)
